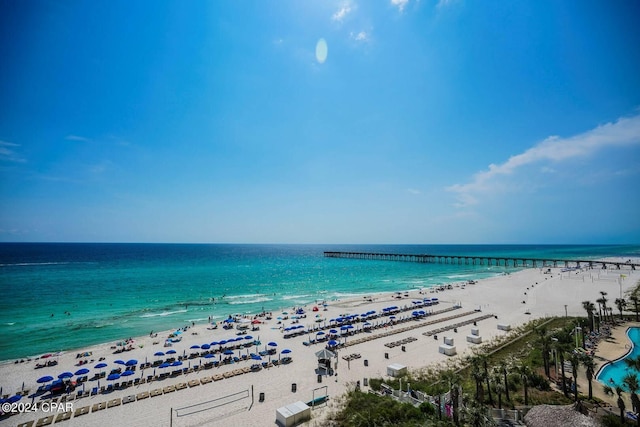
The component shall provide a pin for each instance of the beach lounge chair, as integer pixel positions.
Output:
(114, 402)
(81, 411)
(44, 421)
(143, 395)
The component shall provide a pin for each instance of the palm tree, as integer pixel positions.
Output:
(452, 379)
(631, 382)
(590, 308)
(621, 405)
(545, 343)
(561, 347)
(502, 366)
(590, 367)
(621, 304)
(574, 359)
(603, 301)
(477, 372)
(525, 372)
(496, 379)
(475, 414)
(483, 358)
(634, 298)
(633, 362)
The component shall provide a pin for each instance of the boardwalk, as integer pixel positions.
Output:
(480, 260)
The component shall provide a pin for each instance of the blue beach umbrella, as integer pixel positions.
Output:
(272, 344)
(256, 357)
(45, 379)
(205, 346)
(164, 365)
(195, 346)
(127, 373)
(248, 337)
(14, 398)
(159, 353)
(332, 343)
(176, 363)
(333, 331)
(113, 377)
(171, 352)
(100, 365)
(209, 356)
(228, 352)
(131, 362)
(65, 375)
(285, 351)
(82, 371)
(320, 333)
(119, 362)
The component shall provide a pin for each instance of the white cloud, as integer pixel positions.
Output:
(400, 4)
(413, 191)
(8, 152)
(344, 10)
(444, 3)
(625, 131)
(361, 36)
(77, 138)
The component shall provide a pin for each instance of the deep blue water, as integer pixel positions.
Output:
(119, 290)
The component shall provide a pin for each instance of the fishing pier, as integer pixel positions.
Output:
(484, 260)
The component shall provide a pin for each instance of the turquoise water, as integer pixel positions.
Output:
(613, 373)
(113, 291)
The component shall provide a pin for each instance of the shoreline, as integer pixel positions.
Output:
(513, 299)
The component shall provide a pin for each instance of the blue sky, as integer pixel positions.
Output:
(449, 121)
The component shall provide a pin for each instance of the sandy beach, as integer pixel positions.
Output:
(215, 397)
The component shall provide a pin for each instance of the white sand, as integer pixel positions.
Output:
(546, 295)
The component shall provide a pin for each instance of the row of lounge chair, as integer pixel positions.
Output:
(62, 416)
(352, 356)
(407, 328)
(395, 331)
(456, 325)
(401, 342)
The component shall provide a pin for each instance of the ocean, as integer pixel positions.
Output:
(64, 296)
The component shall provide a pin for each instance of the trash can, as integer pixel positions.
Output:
(294, 387)
(261, 397)
(366, 362)
(319, 378)
(386, 355)
(404, 348)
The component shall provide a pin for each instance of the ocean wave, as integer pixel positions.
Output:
(28, 264)
(9, 323)
(164, 313)
(244, 296)
(251, 301)
(288, 297)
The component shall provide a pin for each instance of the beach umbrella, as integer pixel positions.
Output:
(248, 337)
(256, 357)
(209, 356)
(320, 333)
(194, 346)
(285, 351)
(228, 352)
(127, 373)
(333, 331)
(45, 379)
(176, 363)
(65, 375)
(14, 398)
(205, 346)
(82, 371)
(119, 362)
(113, 377)
(255, 322)
(100, 365)
(223, 342)
(171, 352)
(131, 362)
(272, 344)
(159, 353)
(164, 365)
(332, 343)
(215, 343)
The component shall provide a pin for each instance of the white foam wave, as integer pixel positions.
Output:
(243, 296)
(9, 323)
(27, 264)
(288, 297)
(251, 301)
(164, 313)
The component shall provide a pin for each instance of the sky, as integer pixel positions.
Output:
(320, 121)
